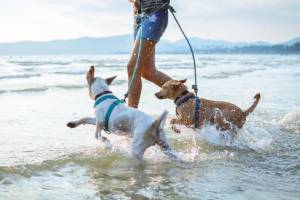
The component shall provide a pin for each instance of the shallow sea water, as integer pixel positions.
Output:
(40, 158)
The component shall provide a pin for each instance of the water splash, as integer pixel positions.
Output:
(249, 137)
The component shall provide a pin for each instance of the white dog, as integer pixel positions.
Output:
(113, 116)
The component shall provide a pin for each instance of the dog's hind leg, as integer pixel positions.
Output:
(83, 121)
(220, 121)
(166, 148)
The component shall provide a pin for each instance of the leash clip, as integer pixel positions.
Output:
(125, 97)
(195, 88)
(171, 9)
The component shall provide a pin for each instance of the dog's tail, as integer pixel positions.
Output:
(160, 121)
(253, 106)
(158, 125)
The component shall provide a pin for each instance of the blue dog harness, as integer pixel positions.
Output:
(100, 98)
(184, 98)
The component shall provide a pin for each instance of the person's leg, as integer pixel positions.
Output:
(134, 92)
(149, 71)
(146, 67)
(136, 86)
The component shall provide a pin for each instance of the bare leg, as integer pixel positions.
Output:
(146, 69)
(149, 71)
(136, 86)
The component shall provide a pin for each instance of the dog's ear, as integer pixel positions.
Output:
(110, 80)
(90, 76)
(92, 71)
(183, 81)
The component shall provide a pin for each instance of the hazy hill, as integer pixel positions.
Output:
(123, 44)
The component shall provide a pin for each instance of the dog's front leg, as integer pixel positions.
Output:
(98, 136)
(173, 123)
(83, 121)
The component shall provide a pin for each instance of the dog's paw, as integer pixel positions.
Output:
(71, 125)
(173, 121)
(176, 130)
(106, 142)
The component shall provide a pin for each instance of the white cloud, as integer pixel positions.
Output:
(236, 20)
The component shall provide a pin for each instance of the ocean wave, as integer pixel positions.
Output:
(112, 66)
(38, 89)
(297, 74)
(291, 118)
(291, 122)
(82, 156)
(68, 86)
(119, 82)
(41, 89)
(248, 62)
(223, 75)
(38, 63)
(70, 73)
(45, 88)
(19, 76)
(104, 60)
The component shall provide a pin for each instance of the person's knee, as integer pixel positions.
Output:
(130, 69)
(148, 74)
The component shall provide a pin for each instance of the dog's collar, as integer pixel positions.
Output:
(182, 94)
(101, 94)
(184, 99)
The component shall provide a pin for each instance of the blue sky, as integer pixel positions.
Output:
(233, 20)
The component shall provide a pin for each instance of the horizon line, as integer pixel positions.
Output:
(163, 39)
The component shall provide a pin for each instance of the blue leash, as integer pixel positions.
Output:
(197, 112)
(195, 86)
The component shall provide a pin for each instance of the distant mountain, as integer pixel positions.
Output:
(293, 41)
(85, 45)
(204, 44)
(123, 44)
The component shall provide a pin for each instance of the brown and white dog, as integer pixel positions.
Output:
(225, 116)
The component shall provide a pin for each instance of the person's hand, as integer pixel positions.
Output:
(135, 2)
(136, 5)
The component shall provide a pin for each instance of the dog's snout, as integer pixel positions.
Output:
(92, 67)
(158, 95)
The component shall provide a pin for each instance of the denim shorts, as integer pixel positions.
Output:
(154, 25)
